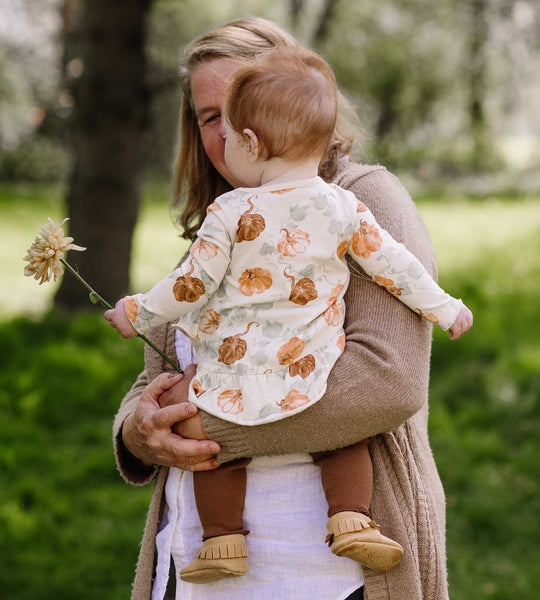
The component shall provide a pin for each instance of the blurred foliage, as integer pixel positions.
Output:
(407, 66)
(37, 158)
(485, 425)
(69, 528)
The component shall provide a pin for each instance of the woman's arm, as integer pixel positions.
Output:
(381, 379)
(142, 431)
(132, 469)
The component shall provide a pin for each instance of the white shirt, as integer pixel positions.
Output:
(286, 513)
(287, 557)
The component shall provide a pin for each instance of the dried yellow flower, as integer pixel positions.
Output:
(48, 249)
(46, 259)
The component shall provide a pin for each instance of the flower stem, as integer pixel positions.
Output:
(95, 298)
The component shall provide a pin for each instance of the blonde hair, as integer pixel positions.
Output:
(196, 181)
(288, 97)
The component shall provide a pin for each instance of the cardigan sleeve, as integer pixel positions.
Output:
(381, 379)
(131, 468)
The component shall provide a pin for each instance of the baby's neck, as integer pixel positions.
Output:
(277, 170)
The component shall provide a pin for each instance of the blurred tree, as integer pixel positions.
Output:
(478, 32)
(313, 26)
(110, 116)
(322, 29)
(56, 123)
(28, 82)
(438, 83)
(295, 11)
(396, 59)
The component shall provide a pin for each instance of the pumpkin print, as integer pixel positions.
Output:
(389, 285)
(341, 342)
(214, 207)
(282, 191)
(249, 225)
(334, 293)
(303, 367)
(342, 248)
(293, 400)
(360, 207)
(302, 291)
(428, 316)
(203, 250)
(255, 281)
(197, 387)
(366, 240)
(230, 402)
(187, 288)
(293, 242)
(132, 310)
(210, 321)
(335, 313)
(233, 348)
(291, 351)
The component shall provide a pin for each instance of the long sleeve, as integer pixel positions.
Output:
(189, 286)
(132, 469)
(381, 379)
(391, 265)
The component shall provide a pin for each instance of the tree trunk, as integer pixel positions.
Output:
(327, 14)
(296, 8)
(477, 80)
(109, 119)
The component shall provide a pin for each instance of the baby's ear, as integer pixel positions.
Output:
(253, 143)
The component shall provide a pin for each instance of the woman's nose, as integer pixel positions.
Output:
(221, 130)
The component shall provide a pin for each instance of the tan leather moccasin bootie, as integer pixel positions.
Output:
(355, 536)
(219, 557)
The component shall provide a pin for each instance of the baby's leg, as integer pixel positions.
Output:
(347, 478)
(220, 497)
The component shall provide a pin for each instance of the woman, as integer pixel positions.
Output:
(383, 374)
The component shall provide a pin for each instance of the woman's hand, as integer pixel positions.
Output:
(190, 427)
(148, 432)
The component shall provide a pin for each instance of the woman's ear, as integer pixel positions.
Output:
(253, 143)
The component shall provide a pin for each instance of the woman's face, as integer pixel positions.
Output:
(209, 83)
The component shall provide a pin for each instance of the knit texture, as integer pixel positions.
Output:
(377, 385)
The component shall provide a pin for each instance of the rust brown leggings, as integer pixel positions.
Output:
(346, 475)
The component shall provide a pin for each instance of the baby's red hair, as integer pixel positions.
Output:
(288, 97)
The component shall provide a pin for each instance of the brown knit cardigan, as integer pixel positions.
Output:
(379, 384)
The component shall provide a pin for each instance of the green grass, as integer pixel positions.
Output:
(70, 528)
(485, 392)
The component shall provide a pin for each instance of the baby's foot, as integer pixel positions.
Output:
(355, 536)
(219, 557)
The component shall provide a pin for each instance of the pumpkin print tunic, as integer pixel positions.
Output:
(261, 295)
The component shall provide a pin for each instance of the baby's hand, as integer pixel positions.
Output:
(463, 323)
(117, 317)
